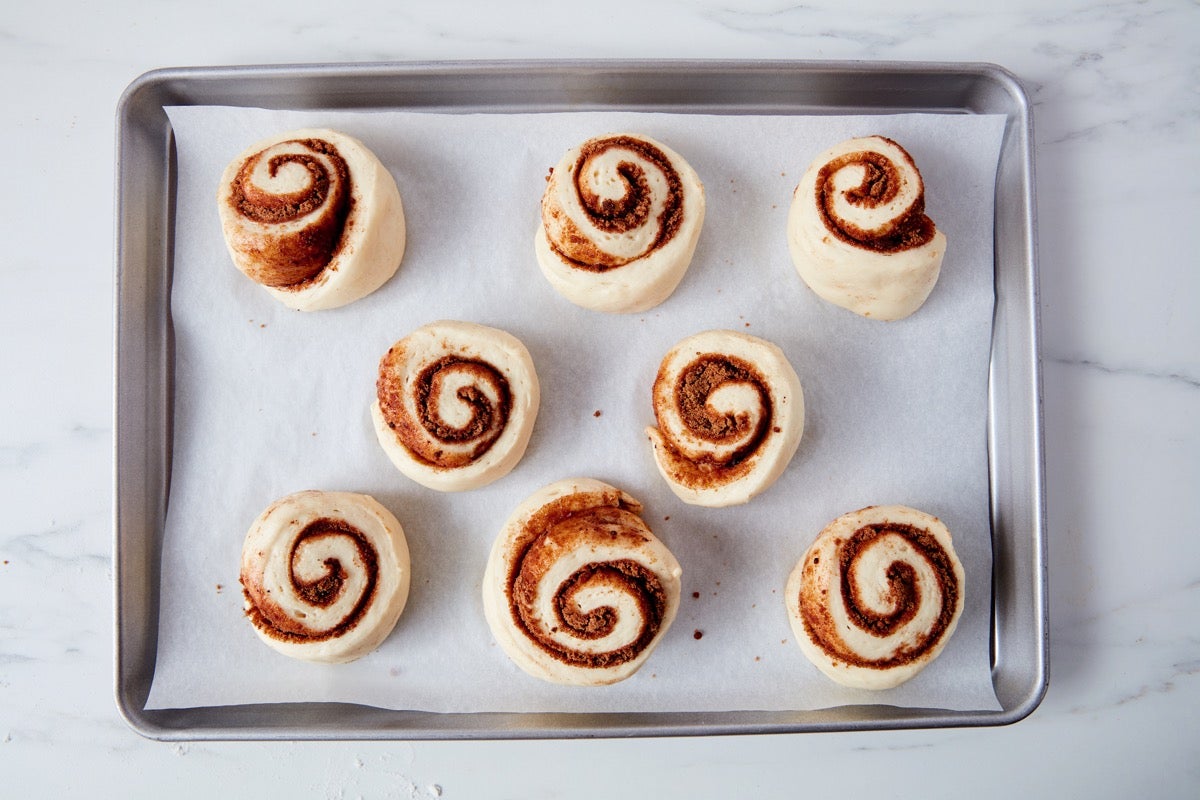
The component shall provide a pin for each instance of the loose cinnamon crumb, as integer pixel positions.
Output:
(695, 595)
(699, 634)
(597, 413)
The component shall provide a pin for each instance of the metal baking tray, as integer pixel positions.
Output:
(144, 357)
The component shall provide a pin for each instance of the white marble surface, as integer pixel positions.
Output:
(1117, 117)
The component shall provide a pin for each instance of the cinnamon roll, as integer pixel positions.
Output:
(621, 215)
(577, 589)
(877, 596)
(312, 216)
(730, 413)
(455, 404)
(858, 232)
(325, 575)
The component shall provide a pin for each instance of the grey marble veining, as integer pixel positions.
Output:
(1117, 120)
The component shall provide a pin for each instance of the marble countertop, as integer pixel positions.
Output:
(1117, 121)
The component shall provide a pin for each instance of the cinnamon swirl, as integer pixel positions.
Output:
(858, 232)
(455, 404)
(621, 215)
(877, 596)
(730, 413)
(325, 575)
(577, 589)
(312, 216)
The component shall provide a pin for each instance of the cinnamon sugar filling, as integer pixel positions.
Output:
(619, 215)
(294, 258)
(903, 594)
(695, 385)
(428, 435)
(570, 523)
(882, 179)
(271, 619)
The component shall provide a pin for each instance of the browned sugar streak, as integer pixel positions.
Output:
(293, 260)
(695, 384)
(626, 213)
(904, 592)
(268, 617)
(631, 577)
(880, 185)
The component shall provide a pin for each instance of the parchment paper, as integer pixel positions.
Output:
(270, 401)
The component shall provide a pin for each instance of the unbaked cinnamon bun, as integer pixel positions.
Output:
(312, 216)
(858, 233)
(877, 596)
(621, 215)
(577, 589)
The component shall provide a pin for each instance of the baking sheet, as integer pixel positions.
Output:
(269, 401)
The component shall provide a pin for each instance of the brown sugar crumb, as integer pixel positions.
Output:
(748, 325)
(698, 634)
(597, 413)
(695, 595)
(667, 518)
(219, 586)
(758, 658)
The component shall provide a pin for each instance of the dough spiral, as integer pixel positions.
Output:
(621, 215)
(858, 233)
(455, 404)
(314, 217)
(325, 575)
(877, 596)
(577, 589)
(730, 414)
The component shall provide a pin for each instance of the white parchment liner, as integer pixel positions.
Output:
(270, 401)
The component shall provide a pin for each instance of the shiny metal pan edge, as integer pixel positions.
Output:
(143, 350)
